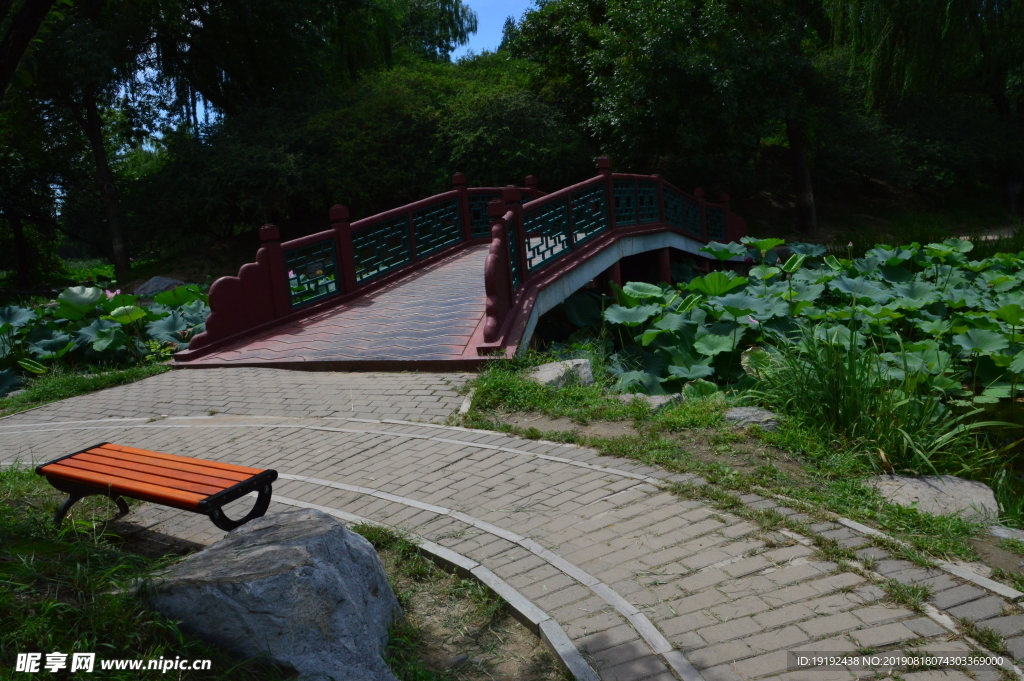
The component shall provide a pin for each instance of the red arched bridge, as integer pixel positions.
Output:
(446, 282)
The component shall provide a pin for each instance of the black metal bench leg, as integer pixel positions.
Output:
(262, 504)
(65, 507)
(122, 508)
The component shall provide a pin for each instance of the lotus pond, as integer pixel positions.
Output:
(87, 326)
(910, 358)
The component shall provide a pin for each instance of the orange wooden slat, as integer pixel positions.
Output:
(129, 474)
(185, 459)
(139, 490)
(196, 468)
(170, 473)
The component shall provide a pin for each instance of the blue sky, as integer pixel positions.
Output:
(491, 17)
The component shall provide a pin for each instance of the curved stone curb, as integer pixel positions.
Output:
(966, 574)
(643, 626)
(520, 607)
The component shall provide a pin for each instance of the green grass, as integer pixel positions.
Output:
(911, 596)
(61, 383)
(70, 591)
(989, 638)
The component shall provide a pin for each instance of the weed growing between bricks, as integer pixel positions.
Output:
(911, 596)
(989, 638)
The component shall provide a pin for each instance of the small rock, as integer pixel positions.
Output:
(14, 392)
(940, 495)
(1006, 532)
(157, 285)
(296, 587)
(559, 373)
(458, 661)
(655, 401)
(742, 417)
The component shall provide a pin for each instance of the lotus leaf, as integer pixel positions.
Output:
(127, 315)
(724, 251)
(716, 283)
(630, 316)
(981, 341)
(763, 272)
(810, 250)
(711, 344)
(859, 288)
(109, 339)
(641, 290)
(9, 381)
(16, 317)
(692, 372)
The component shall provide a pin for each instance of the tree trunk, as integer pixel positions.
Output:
(108, 192)
(20, 31)
(806, 214)
(21, 254)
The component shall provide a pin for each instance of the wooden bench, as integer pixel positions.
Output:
(195, 485)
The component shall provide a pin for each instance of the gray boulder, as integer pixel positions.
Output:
(940, 495)
(742, 417)
(560, 373)
(157, 285)
(295, 587)
(654, 401)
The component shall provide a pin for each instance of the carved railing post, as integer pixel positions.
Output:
(531, 185)
(459, 184)
(698, 194)
(513, 201)
(497, 274)
(735, 226)
(661, 198)
(270, 237)
(604, 167)
(346, 251)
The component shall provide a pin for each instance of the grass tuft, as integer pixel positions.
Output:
(987, 637)
(911, 596)
(61, 383)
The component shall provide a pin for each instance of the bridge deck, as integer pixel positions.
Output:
(428, 316)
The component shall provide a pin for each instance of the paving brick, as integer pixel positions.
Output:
(716, 655)
(981, 609)
(944, 600)
(1015, 646)
(776, 640)
(923, 626)
(634, 670)
(763, 665)
(728, 631)
(884, 635)
(601, 640)
(1006, 626)
(877, 614)
(830, 624)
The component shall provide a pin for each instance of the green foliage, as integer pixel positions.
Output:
(90, 326)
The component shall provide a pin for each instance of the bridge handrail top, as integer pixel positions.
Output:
(307, 240)
(562, 193)
(690, 195)
(402, 210)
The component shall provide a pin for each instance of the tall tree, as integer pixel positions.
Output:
(961, 46)
(18, 27)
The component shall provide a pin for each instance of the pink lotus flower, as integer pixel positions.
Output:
(291, 274)
(753, 321)
(111, 294)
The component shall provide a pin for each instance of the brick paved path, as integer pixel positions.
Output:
(644, 583)
(430, 315)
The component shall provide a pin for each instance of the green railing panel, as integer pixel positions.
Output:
(437, 226)
(513, 255)
(647, 201)
(682, 212)
(589, 212)
(312, 273)
(547, 233)
(625, 202)
(479, 220)
(716, 222)
(381, 247)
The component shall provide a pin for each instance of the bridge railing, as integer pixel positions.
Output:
(530, 238)
(295, 278)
